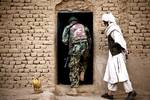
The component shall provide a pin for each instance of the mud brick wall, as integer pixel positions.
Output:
(139, 27)
(139, 43)
(26, 43)
(28, 33)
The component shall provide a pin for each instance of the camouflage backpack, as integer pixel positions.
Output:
(78, 33)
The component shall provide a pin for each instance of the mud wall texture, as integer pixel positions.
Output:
(28, 40)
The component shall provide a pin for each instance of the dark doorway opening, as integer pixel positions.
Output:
(86, 18)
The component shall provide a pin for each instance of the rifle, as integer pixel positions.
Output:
(66, 62)
(68, 57)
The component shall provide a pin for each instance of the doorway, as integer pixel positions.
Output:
(86, 18)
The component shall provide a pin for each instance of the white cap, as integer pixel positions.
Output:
(108, 17)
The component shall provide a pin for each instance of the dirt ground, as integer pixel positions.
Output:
(28, 94)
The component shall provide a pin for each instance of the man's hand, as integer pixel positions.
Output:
(125, 53)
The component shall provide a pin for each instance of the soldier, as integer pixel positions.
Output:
(77, 37)
(116, 68)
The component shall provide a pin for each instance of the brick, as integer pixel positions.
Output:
(24, 27)
(16, 15)
(33, 70)
(33, 54)
(36, 62)
(16, 78)
(42, 16)
(135, 8)
(146, 50)
(29, 15)
(143, 4)
(35, 11)
(147, 34)
(22, 15)
(23, 74)
(42, 62)
(142, 8)
(26, 50)
(4, 50)
(39, 70)
(27, 1)
(36, 23)
(12, 62)
(18, 62)
(146, 42)
(21, 70)
(14, 50)
(147, 39)
(16, 0)
(11, 11)
(16, 85)
(35, 15)
(40, 54)
(29, 20)
(24, 12)
(26, 70)
(3, 70)
(45, 70)
(28, 8)
(15, 70)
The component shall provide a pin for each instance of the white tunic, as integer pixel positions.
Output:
(116, 65)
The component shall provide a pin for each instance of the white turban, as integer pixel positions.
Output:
(108, 17)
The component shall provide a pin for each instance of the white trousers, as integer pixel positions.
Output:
(127, 86)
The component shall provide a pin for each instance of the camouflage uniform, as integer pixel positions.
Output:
(78, 50)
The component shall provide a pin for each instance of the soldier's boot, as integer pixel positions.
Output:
(82, 76)
(72, 92)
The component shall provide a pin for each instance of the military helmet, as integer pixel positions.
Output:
(72, 19)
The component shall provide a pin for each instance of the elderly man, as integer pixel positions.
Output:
(77, 36)
(116, 68)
